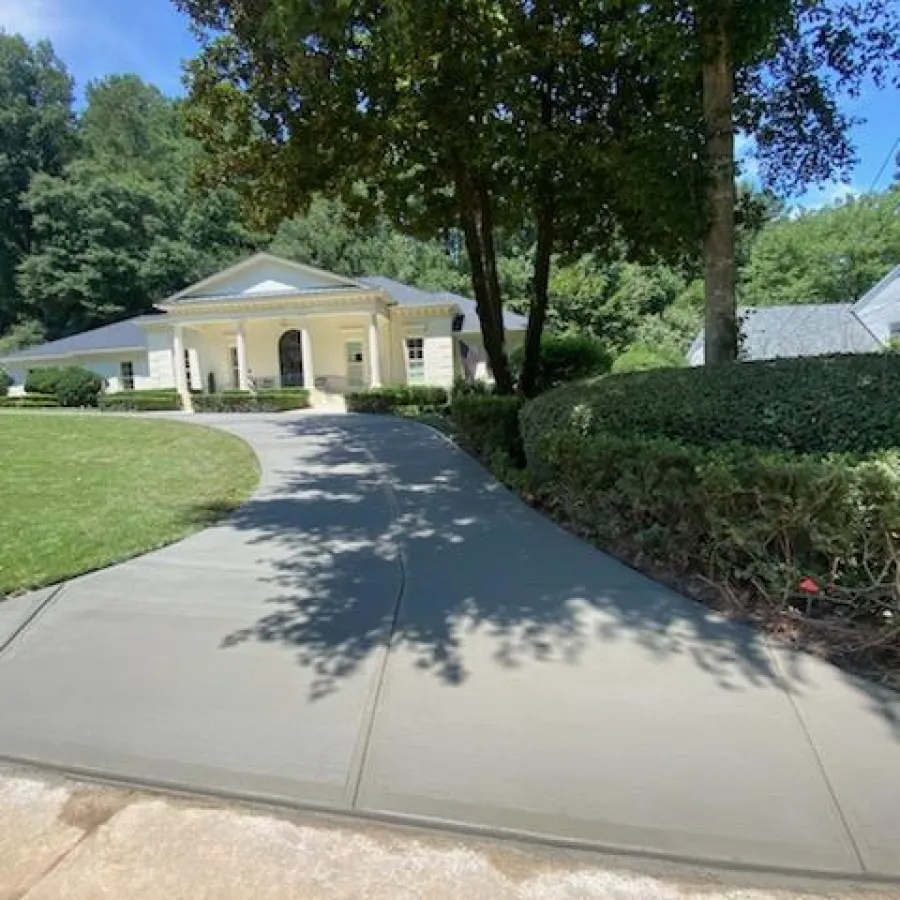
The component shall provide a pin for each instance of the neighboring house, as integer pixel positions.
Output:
(269, 322)
(770, 332)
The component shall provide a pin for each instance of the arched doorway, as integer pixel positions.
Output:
(290, 359)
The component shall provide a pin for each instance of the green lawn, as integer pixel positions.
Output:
(78, 492)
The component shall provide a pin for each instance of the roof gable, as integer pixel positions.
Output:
(262, 275)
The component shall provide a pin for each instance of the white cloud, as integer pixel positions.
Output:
(827, 195)
(34, 19)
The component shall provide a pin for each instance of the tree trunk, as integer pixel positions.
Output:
(721, 340)
(546, 219)
(477, 227)
(537, 313)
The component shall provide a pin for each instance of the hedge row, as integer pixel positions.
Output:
(30, 401)
(488, 426)
(813, 405)
(403, 398)
(141, 401)
(276, 400)
(762, 522)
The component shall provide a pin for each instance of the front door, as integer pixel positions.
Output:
(356, 365)
(290, 358)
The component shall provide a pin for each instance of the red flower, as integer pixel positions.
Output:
(808, 586)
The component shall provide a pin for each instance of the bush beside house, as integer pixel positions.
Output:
(401, 399)
(275, 400)
(141, 401)
(73, 386)
(566, 357)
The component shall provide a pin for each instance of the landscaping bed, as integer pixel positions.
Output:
(81, 492)
(770, 491)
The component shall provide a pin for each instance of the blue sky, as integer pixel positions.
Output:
(149, 37)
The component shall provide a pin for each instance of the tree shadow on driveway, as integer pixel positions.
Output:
(376, 529)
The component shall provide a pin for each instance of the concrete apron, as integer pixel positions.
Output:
(534, 686)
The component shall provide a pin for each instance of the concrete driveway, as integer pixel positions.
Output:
(385, 630)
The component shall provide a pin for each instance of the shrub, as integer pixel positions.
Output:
(141, 401)
(6, 381)
(402, 398)
(78, 387)
(757, 520)
(274, 400)
(42, 381)
(811, 405)
(489, 425)
(71, 385)
(566, 357)
(641, 358)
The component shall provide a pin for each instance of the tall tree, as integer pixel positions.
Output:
(481, 114)
(774, 69)
(36, 135)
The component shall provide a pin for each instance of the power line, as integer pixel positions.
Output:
(884, 165)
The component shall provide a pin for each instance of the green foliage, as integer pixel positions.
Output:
(811, 405)
(403, 398)
(76, 386)
(489, 426)
(567, 357)
(642, 358)
(749, 519)
(140, 401)
(5, 381)
(330, 236)
(30, 401)
(832, 255)
(71, 385)
(36, 135)
(43, 380)
(23, 334)
(275, 400)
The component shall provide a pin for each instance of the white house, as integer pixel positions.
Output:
(818, 329)
(270, 322)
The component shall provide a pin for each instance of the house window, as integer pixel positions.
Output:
(235, 367)
(415, 360)
(126, 373)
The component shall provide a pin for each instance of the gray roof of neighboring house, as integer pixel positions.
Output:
(817, 329)
(125, 335)
(405, 295)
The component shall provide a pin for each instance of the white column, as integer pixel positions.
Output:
(374, 353)
(309, 375)
(178, 359)
(181, 382)
(243, 380)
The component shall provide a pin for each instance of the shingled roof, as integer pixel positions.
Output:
(125, 335)
(817, 329)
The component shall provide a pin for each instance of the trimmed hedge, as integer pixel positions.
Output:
(565, 358)
(406, 398)
(71, 385)
(755, 520)
(275, 400)
(811, 405)
(29, 401)
(643, 358)
(141, 401)
(488, 426)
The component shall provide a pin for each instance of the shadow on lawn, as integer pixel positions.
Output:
(379, 526)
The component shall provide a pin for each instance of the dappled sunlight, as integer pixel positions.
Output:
(393, 536)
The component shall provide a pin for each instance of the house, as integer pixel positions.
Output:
(770, 332)
(269, 322)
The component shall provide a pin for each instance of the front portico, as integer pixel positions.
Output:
(270, 323)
